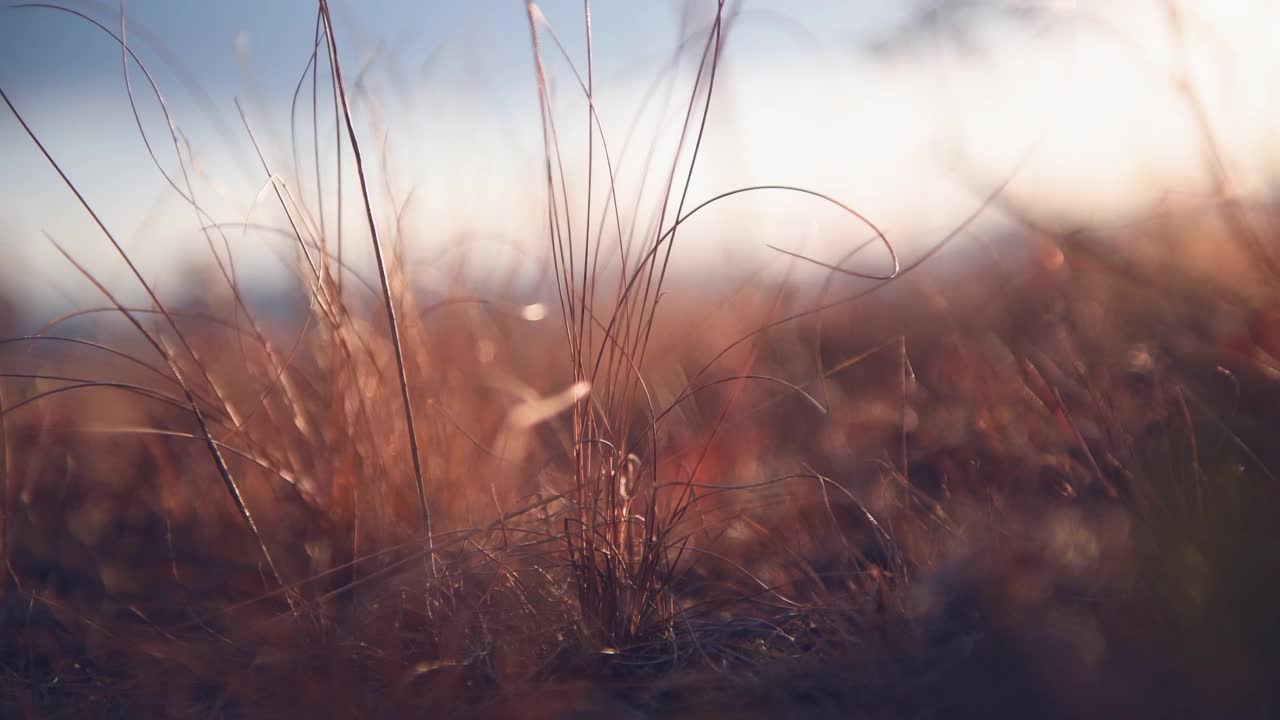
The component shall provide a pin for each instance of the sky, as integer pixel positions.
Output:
(911, 129)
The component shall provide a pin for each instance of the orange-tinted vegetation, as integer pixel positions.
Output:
(1037, 486)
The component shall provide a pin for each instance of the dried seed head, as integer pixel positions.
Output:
(628, 474)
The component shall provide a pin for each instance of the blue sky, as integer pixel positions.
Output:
(910, 139)
(49, 49)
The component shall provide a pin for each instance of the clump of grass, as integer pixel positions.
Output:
(406, 503)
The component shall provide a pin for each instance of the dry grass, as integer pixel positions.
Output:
(1041, 487)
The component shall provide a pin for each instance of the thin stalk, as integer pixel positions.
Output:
(383, 277)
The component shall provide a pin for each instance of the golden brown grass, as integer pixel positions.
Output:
(1040, 488)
